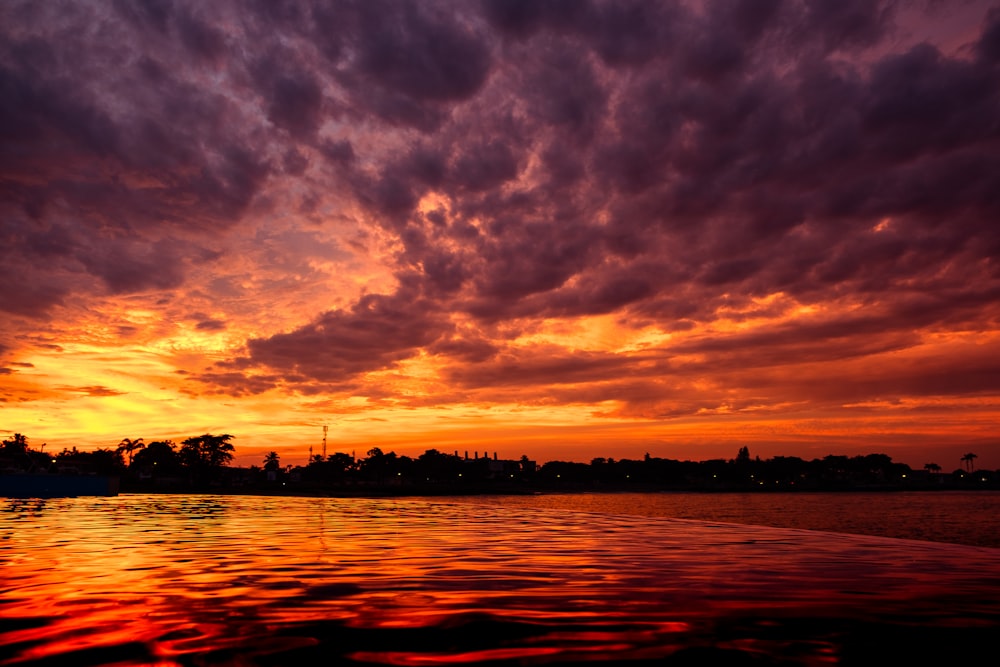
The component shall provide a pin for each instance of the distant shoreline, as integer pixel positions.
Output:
(451, 491)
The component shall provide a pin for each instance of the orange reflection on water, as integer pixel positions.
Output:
(241, 580)
(452, 658)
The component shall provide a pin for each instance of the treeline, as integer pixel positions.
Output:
(743, 473)
(438, 472)
(197, 460)
(205, 460)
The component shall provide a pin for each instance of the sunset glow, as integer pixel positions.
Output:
(560, 230)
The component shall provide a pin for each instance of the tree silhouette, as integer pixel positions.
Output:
(377, 464)
(969, 461)
(206, 454)
(340, 465)
(932, 467)
(435, 466)
(159, 456)
(17, 445)
(105, 461)
(272, 461)
(129, 447)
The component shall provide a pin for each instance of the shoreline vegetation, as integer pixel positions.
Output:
(201, 464)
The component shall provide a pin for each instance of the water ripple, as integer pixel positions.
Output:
(258, 580)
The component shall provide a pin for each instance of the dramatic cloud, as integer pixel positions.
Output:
(627, 212)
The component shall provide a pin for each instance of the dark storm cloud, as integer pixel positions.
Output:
(201, 39)
(114, 148)
(295, 104)
(652, 160)
(606, 293)
(464, 349)
(724, 176)
(125, 268)
(843, 24)
(420, 53)
(541, 365)
(94, 391)
(210, 325)
(523, 18)
(563, 91)
(375, 334)
(988, 47)
(233, 383)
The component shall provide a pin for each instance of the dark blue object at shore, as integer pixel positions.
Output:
(57, 486)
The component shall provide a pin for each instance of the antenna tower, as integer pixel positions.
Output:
(325, 429)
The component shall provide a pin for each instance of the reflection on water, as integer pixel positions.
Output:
(275, 581)
(960, 517)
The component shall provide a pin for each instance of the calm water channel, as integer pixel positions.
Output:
(213, 580)
(962, 517)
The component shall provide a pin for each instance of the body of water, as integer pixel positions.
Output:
(960, 517)
(243, 580)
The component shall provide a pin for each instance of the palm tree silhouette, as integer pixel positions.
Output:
(932, 467)
(129, 447)
(969, 459)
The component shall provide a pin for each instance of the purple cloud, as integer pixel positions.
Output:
(514, 162)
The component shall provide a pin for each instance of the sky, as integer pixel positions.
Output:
(562, 229)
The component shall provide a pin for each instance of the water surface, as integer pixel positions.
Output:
(198, 580)
(961, 517)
